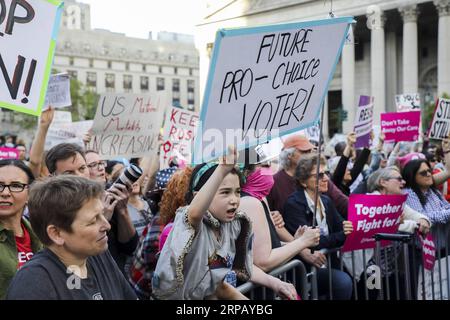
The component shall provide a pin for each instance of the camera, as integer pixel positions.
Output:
(129, 176)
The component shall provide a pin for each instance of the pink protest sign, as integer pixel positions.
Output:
(428, 252)
(400, 126)
(363, 122)
(9, 153)
(372, 214)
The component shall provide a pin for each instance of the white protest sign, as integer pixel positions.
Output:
(407, 102)
(127, 125)
(312, 133)
(266, 82)
(440, 126)
(58, 91)
(71, 132)
(28, 32)
(61, 117)
(179, 129)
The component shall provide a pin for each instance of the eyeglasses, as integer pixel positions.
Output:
(399, 179)
(321, 174)
(13, 187)
(97, 164)
(425, 173)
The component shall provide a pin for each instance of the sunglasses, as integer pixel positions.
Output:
(425, 173)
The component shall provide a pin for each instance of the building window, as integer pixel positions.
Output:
(91, 63)
(144, 83)
(144, 68)
(109, 64)
(73, 74)
(175, 70)
(127, 66)
(176, 85)
(91, 79)
(127, 83)
(190, 72)
(71, 61)
(110, 81)
(159, 84)
(190, 86)
(176, 99)
(160, 69)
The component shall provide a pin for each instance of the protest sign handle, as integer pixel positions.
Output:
(316, 196)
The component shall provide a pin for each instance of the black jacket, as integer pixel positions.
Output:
(297, 213)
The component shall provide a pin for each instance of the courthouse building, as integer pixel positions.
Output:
(400, 46)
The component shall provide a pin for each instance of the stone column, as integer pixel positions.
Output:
(377, 64)
(410, 49)
(443, 7)
(348, 85)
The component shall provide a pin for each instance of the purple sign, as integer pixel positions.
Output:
(400, 126)
(9, 153)
(363, 122)
(372, 214)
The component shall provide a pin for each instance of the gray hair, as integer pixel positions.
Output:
(305, 165)
(374, 181)
(285, 161)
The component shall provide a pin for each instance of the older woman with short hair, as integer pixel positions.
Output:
(298, 211)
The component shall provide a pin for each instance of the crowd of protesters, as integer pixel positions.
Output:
(71, 227)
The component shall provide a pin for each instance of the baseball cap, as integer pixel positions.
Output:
(298, 141)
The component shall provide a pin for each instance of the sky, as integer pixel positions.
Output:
(136, 18)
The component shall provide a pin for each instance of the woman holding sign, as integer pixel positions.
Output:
(387, 181)
(425, 198)
(298, 211)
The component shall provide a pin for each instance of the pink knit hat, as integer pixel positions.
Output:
(410, 156)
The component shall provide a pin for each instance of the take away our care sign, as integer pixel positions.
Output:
(28, 32)
(400, 126)
(266, 82)
(372, 214)
(179, 129)
(407, 102)
(440, 126)
(363, 122)
(58, 91)
(127, 125)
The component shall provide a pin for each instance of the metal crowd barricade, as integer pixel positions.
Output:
(435, 284)
(292, 271)
(397, 269)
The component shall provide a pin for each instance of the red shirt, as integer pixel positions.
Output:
(24, 250)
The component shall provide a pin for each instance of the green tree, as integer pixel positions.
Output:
(84, 101)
